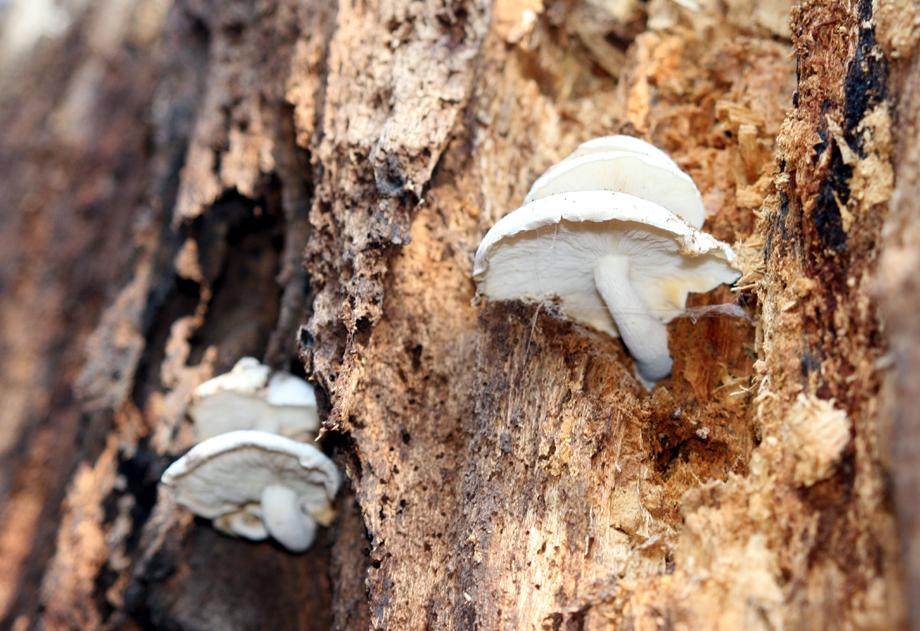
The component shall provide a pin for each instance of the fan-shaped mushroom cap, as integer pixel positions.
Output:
(615, 262)
(624, 164)
(648, 176)
(603, 144)
(245, 398)
(239, 477)
(293, 404)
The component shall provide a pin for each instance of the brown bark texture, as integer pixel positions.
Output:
(184, 182)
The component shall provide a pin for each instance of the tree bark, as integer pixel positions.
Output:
(185, 182)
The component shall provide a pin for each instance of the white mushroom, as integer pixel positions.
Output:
(284, 519)
(615, 262)
(254, 484)
(631, 144)
(626, 165)
(293, 403)
(246, 398)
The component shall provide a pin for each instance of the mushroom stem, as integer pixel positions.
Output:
(645, 336)
(284, 520)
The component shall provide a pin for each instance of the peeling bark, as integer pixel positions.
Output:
(189, 181)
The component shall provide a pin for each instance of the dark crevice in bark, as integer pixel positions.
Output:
(867, 78)
(140, 471)
(239, 244)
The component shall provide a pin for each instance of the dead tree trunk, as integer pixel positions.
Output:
(183, 182)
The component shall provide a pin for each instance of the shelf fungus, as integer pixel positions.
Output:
(612, 234)
(256, 484)
(250, 397)
(626, 165)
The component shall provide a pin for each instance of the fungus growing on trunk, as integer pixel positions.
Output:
(615, 261)
(249, 397)
(624, 164)
(254, 484)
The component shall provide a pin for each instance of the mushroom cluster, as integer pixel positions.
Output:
(253, 474)
(613, 234)
(250, 397)
(254, 484)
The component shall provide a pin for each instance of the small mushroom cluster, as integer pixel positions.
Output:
(250, 397)
(252, 475)
(613, 234)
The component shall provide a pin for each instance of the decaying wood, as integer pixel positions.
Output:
(189, 181)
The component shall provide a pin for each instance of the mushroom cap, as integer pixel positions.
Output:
(245, 398)
(549, 248)
(649, 176)
(248, 376)
(227, 473)
(622, 143)
(284, 389)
